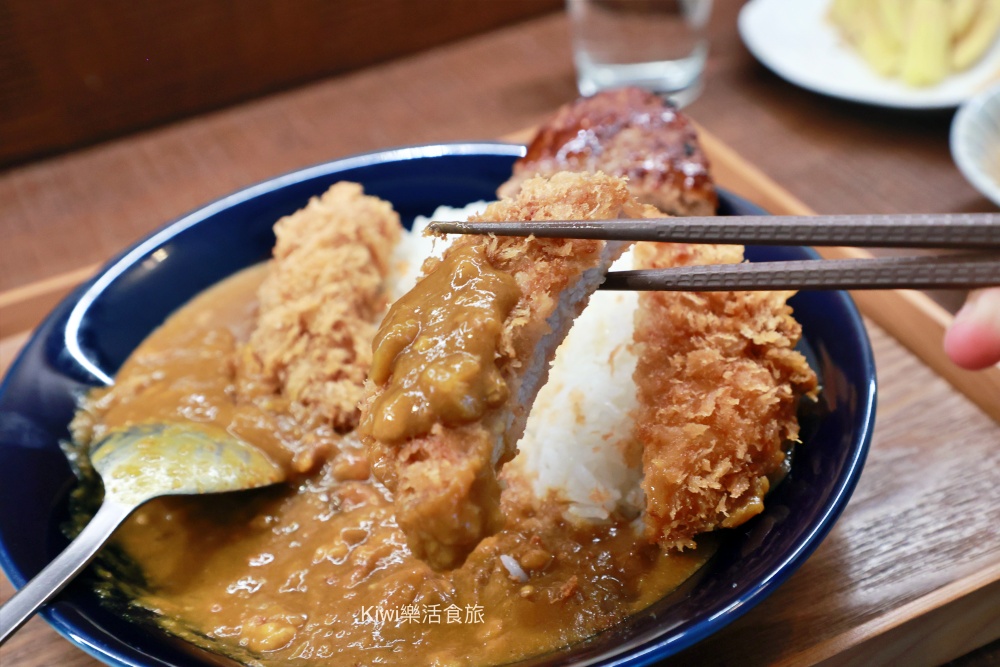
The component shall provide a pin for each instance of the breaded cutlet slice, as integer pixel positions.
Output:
(319, 307)
(719, 383)
(444, 481)
(626, 132)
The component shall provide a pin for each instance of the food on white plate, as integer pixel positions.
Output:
(921, 42)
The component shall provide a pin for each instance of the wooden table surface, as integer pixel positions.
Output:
(71, 211)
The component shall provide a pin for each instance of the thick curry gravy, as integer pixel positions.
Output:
(439, 344)
(316, 571)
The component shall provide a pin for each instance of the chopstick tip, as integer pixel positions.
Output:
(440, 228)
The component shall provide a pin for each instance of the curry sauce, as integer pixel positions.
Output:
(316, 571)
(438, 343)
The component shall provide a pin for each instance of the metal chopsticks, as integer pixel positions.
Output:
(979, 269)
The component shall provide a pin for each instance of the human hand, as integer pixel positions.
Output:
(973, 340)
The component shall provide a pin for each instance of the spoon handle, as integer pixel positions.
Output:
(44, 586)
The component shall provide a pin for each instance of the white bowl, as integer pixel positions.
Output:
(975, 142)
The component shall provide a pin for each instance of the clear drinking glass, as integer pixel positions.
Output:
(660, 45)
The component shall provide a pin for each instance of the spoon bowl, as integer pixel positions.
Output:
(137, 464)
(142, 462)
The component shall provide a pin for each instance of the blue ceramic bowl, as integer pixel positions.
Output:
(85, 340)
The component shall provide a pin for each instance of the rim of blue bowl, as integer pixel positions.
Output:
(642, 654)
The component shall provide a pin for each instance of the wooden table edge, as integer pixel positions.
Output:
(946, 623)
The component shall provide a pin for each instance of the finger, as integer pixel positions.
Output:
(973, 340)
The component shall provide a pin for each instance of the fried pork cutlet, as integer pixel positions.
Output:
(320, 305)
(626, 132)
(718, 381)
(718, 386)
(458, 360)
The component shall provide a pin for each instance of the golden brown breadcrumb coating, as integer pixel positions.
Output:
(718, 385)
(446, 492)
(320, 305)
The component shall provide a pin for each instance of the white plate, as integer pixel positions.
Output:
(795, 40)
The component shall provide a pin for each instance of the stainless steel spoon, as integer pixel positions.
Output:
(136, 465)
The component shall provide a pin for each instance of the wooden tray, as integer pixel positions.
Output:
(910, 575)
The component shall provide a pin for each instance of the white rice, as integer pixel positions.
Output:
(514, 568)
(579, 430)
(414, 247)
